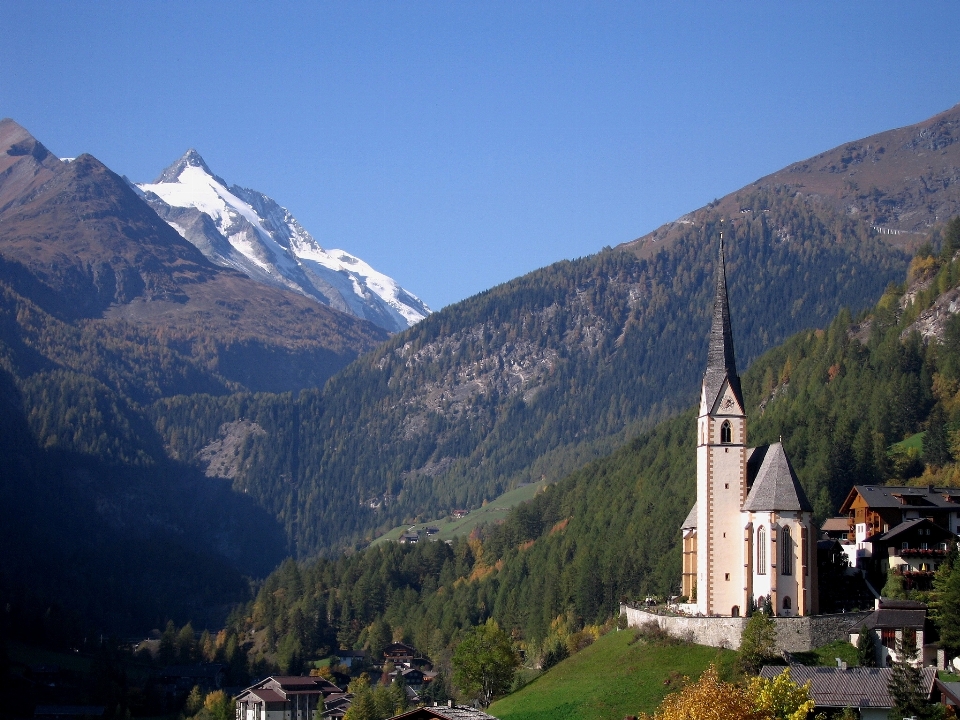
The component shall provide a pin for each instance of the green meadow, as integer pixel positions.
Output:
(616, 676)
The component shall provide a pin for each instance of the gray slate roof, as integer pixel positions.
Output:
(893, 534)
(721, 360)
(885, 496)
(893, 619)
(691, 520)
(856, 687)
(776, 487)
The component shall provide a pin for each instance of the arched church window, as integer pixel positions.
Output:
(786, 554)
(787, 604)
(761, 550)
(726, 433)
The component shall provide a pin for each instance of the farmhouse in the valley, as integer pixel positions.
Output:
(750, 534)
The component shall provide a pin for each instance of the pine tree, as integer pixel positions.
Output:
(363, 706)
(906, 681)
(866, 648)
(936, 444)
(946, 603)
(758, 644)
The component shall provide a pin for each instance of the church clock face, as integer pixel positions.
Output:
(727, 403)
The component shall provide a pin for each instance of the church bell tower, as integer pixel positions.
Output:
(721, 585)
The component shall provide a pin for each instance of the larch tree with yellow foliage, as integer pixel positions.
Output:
(781, 697)
(710, 698)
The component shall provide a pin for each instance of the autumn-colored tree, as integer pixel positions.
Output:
(709, 698)
(218, 706)
(780, 697)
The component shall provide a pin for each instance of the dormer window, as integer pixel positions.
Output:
(726, 433)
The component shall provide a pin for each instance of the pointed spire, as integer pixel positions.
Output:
(721, 359)
(721, 355)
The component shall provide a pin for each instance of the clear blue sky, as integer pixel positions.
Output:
(456, 145)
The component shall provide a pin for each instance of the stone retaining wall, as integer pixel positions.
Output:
(794, 634)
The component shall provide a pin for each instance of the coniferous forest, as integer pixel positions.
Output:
(841, 398)
(525, 382)
(531, 379)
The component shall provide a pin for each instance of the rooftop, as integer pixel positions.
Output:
(856, 687)
(777, 486)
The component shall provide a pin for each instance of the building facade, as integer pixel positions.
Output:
(750, 536)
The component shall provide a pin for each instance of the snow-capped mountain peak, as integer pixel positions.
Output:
(246, 230)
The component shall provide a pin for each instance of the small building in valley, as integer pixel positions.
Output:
(284, 697)
(862, 689)
(890, 622)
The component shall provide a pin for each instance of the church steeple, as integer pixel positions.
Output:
(721, 355)
(721, 359)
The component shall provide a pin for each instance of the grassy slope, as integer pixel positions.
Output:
(492, 512)
(608, 680)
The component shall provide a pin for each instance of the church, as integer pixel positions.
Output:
(750, 535)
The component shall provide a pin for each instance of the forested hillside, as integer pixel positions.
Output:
(533, 378)
(841, 397)
(138, 376)
(104, 309)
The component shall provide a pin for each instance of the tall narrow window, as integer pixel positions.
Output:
(786, 552)
(726, 433)
(787, 605)
(761, 551)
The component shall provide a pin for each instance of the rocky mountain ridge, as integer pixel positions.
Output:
(899, 182)
(78, 243)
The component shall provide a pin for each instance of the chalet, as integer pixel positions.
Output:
(412, 678)
(335, 705)
(284, 697)
(875, 509)
(409, 538)
(399, 653)
(458, 514)
(860, 688)
(351, 658)
(914, 549)
(889, 622)
(835, 528)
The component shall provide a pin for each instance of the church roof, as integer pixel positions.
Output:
(691, 521)
(721, 360)
(776, 487)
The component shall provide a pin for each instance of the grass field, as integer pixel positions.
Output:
(609, 680)
(450, 528)
(912, 442)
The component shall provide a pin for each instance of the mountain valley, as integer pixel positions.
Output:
(149, 387)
